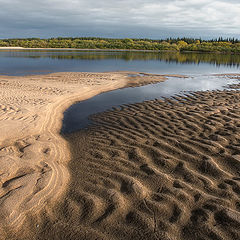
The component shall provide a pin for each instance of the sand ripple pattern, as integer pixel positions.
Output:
(33, 155)
(162, 169)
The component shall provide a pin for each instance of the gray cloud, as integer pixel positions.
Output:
(122, 18)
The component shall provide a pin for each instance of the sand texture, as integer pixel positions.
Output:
(33, 155)
(164, 169)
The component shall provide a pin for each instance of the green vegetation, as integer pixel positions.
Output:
(183, 44)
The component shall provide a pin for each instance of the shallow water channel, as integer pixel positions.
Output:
(77, 116)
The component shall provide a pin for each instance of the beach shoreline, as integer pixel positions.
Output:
(131, 175)
(33, 154)
(161, 169)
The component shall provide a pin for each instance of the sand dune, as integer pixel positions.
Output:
(33, 155)
(162, 169)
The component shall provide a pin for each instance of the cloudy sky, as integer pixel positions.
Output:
(120, 18)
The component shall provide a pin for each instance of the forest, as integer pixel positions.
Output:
(229, 45)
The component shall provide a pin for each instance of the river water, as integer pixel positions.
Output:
(27, 62)
(199, 67)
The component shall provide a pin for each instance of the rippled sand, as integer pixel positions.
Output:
(162, 169)
(34, 157)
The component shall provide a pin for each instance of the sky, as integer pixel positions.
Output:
(155, 19)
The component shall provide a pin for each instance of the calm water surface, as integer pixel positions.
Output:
(27, 62)
(77, 116)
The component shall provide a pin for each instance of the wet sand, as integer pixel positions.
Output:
(34, 157)
(162, 169)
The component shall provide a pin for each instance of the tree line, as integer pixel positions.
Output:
(228, 45)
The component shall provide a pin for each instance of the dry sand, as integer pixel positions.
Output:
(33, 155)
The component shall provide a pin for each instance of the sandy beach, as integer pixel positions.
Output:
(33, 155)
(161, 169)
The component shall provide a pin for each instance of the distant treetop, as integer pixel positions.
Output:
(228, 45)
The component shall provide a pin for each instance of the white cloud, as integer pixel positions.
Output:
(184, 16)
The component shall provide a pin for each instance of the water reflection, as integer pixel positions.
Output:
(27, 62)
(169, 57)
(77, 116)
